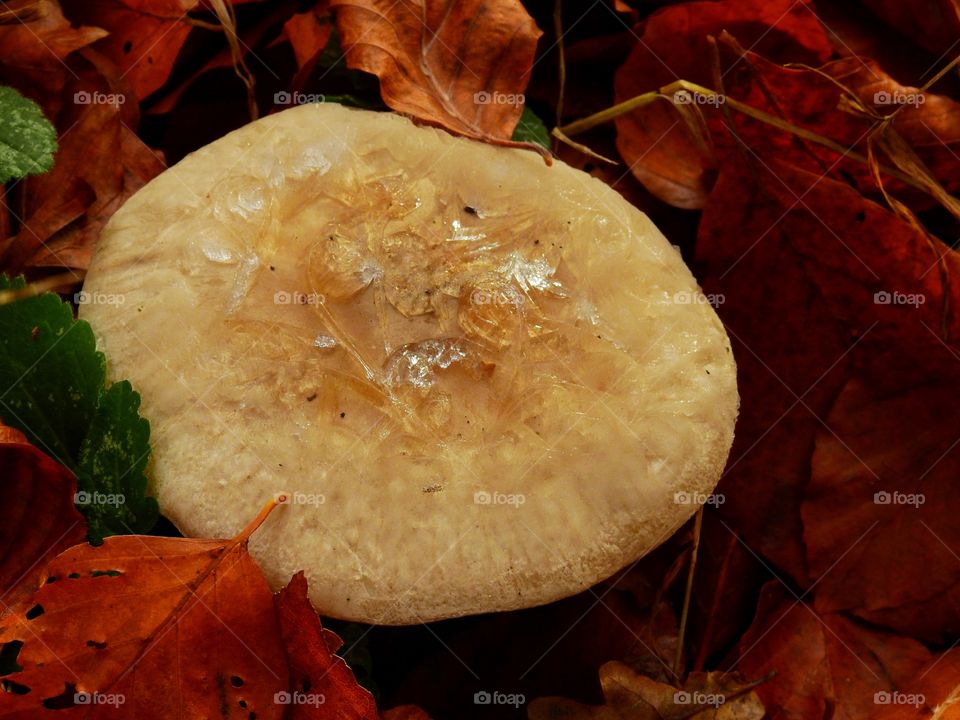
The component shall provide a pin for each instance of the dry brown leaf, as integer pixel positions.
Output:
(461, 65)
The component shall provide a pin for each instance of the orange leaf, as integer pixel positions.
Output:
(148, 627)
(314, 669)
(461, 65)
(37, 517)
(308, 32)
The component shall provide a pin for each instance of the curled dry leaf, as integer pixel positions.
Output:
(461, 65)
(169, 627)
(38, 519)
(826, 665)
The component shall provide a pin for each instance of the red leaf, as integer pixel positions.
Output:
(654, 141)
(38, 519)
(309, 32)
(826, 665)
(314, 670)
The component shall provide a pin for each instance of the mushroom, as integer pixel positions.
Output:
(479, 383)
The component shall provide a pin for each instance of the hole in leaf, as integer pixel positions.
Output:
(95, 644)
(8, 657)
(10, 686)
(236, 681)
(73, 576)
(243, 704)
(51, 579)
(34, 612)
(66, 699)
(108, 573)
(861, 216)
(127, 46)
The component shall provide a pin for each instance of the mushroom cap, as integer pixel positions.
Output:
(481, 383)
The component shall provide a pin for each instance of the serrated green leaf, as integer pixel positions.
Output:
(52, 389)
(27, 139)
(531, 129)
(50, 373)
(113, 461)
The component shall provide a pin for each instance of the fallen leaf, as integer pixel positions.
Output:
(309, 32)
(631, 696)
(145, 36)
(934, 692)
(153, 627)
(654, 140)
(813, 254)
(405, 712)
(461, 65)
(881, 507)
(826, 665)
(933, 24)
(314, 669)
(38, 519)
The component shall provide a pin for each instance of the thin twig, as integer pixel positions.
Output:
(697, 525)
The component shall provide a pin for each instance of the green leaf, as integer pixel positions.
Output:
(113, 460)
(50, 373)
(531, 129)
(27, 139)
(52, 381)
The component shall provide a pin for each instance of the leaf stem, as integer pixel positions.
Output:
(697, 526)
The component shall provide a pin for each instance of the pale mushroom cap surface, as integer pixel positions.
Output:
(483, 383)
